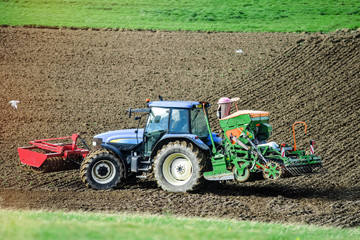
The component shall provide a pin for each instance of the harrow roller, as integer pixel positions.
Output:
(55, 164)
(46, 156)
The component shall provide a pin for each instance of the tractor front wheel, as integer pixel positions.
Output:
(179, 167)
(102, 170)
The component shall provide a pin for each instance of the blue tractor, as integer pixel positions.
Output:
(175, 144)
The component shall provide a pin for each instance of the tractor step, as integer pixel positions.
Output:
(143, 169)
(145, 162)
(141, 176)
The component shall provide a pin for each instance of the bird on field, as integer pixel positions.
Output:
(14, 104)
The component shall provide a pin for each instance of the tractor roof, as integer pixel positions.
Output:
(174, 104)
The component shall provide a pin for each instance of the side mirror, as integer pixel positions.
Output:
(137, 118)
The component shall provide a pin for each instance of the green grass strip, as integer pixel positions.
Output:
(194, 15)
(42, 225)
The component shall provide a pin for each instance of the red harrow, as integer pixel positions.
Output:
(44, 156)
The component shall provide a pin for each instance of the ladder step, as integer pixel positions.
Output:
(143, 169)
(145, 162)
(141, 176)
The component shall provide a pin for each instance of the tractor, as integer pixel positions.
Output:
(178, 148)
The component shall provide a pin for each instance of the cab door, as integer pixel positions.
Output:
(157, 126)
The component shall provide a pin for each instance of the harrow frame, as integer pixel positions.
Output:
(41, 150)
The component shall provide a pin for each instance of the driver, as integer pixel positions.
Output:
(179, 121)
(224, 107)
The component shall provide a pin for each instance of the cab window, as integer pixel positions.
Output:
(158, 119)
(198, 123)
(179, 122)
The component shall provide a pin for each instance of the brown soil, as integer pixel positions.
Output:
(84, 80)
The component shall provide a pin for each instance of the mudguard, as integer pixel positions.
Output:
(118, 153)
(189, 137)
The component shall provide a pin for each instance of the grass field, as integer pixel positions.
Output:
(59, 225)
(212, 15)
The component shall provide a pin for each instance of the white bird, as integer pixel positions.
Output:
(14, 104)
(239, 51)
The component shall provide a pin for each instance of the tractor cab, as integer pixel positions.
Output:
(175, 119)
(166, 120)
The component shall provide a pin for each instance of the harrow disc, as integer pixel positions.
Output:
(273, 170)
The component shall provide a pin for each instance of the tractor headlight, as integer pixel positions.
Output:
(97, 143)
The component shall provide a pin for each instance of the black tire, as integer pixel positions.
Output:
(102, 170)
(179, 167)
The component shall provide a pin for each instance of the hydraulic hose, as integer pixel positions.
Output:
(253, 145)
(208, 127)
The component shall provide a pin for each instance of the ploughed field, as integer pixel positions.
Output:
(83, 81)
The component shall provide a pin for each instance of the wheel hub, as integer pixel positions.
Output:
(180, 169)
(177, 169)
(103, 171)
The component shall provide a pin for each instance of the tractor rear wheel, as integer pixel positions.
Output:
(102, 170)
(179, 167)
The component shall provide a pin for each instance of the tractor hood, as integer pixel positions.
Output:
(127, 136)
